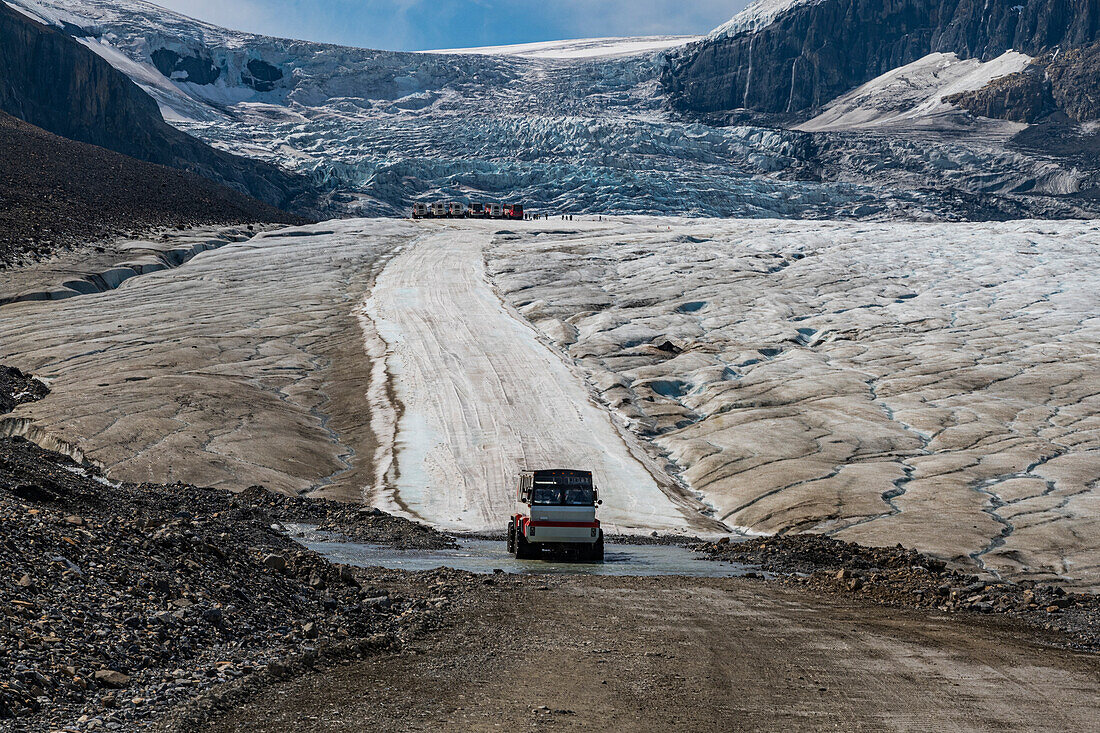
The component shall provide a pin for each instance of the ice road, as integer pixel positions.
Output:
(475, 397)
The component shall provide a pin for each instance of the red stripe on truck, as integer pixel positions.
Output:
(543, 523)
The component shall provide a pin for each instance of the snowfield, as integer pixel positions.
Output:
(936, 385)
(913, 94)
(583, 48)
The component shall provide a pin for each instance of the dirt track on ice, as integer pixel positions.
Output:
(658, 654)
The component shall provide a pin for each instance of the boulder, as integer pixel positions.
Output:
(275, 562)
(112, 678)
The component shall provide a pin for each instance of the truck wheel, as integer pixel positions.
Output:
(512, 537)
(597, 549)
(523, 547)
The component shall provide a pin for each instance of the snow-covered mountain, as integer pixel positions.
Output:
(50, 81)
(788, 57)
(914, 93)
(757, 15)
(574, 126)
(380, 129)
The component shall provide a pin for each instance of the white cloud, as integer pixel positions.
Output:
(450, 23)
(647, 17)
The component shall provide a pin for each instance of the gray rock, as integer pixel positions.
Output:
(275, 562)
(111, 678)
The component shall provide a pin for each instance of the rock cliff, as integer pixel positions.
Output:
(1075, 82)
(1021, 97)
(51, 81)
(814, 51)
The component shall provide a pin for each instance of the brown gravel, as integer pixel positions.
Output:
(899, 577)
(121, 604)
(57, 194)
(656, 654)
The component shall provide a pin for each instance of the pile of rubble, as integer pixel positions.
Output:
(353, 523)
(903, 577)
(119, 602)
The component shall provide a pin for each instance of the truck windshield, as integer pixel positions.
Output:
(546, 495)
(578, 496)
(550, 494)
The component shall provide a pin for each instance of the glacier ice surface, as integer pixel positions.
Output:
(572, 126)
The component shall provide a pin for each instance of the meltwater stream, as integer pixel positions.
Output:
(488, 556)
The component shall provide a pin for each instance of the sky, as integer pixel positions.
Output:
(417, 25)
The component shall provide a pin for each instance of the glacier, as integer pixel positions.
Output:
(933, 384)
(930, 384)
(567, 127)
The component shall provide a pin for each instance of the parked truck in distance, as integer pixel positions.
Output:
(555, 516)
(460, 210)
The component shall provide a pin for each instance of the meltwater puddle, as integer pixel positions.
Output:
(487, 556)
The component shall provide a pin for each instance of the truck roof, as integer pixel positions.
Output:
(557, 472)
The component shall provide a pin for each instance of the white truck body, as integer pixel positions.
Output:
(555, 510)
(558, 523)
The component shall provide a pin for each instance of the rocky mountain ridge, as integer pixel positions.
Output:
(807, 54)
(49, 80)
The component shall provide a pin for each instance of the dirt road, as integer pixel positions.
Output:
(661, 654)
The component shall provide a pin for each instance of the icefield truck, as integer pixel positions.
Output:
(555, 514)
(460, 210)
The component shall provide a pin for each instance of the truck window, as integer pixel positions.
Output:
(546, 495)
(578, 496)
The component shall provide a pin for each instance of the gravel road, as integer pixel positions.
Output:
(659, 654)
